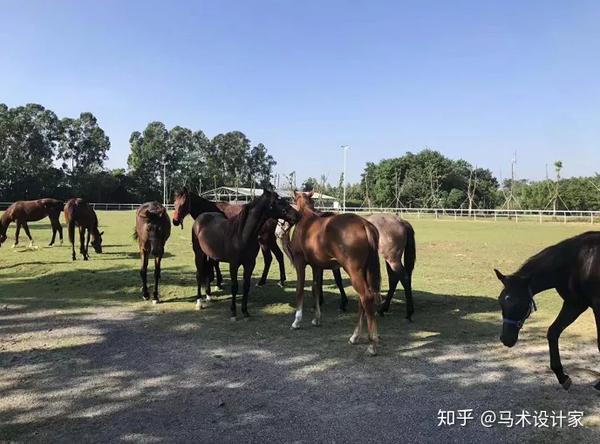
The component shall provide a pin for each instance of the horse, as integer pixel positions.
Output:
(396, 239)
(152, 230)
(234, 240)
(341, 240)
(24, 211)
(572, 268)
(79, 213)
(194, 205)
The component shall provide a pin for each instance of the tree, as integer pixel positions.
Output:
(28, 140)
(82, 145)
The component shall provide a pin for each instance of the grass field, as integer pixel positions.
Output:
(83, 356)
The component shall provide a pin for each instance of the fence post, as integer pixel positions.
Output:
(565, 217)
(540, 217)
(592, 217)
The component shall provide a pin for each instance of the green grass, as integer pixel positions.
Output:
(454, 267)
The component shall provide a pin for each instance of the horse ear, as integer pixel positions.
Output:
(500, 276)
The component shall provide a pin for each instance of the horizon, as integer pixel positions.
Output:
(476, 82)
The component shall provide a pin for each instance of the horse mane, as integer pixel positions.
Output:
(238, 222)
(555, 256)
(153, 211)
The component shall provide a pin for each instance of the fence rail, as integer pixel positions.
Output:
(437, 213)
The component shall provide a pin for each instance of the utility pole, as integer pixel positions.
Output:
(164, 181)
(345, 148)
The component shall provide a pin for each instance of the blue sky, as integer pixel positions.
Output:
(476, 80)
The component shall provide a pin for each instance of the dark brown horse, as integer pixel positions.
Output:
(24, 211)
(342, 240)
(234, 240)
(194, 205)
(572, 268)
(152, 229)
(79, 213)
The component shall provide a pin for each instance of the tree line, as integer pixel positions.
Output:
(44, 155)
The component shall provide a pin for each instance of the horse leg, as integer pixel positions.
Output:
(337, 276)
(143, 274)
(393, 279)
(157, 261)
(369, 306)
(209, 265)
(82, 243)
(268, 258)
(73, 247)
(26, 228)
(233, 270)
(56, 228)
(87, 244)
(219, 275)
(279, 256)
(358, 330)
(596, 308)
(301, 273)
(18, 230)
(248, 269)
(568, 313)
(200, 261)
(317, 289)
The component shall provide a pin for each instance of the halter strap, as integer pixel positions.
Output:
(519, 323)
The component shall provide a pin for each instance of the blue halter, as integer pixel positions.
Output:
(519, 323)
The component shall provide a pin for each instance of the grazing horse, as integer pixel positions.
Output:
(24, 211)
(572, 267)
(79, 213)
(341, 240)
(152, 229)
(234, 240)
(194, 205)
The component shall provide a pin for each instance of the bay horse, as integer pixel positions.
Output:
(194, 205)
(572, 268)
(234, 240)
(24, 211)
(79, 213)
(396, 240)
(152, 230)
(341, 240)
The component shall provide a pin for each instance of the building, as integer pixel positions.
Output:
(243, 195)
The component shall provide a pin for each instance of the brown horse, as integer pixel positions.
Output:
(24, 211)
(79, 213)
(341, 240)
(234, 240)
(396, 240)
(194, 205)
(152, 229)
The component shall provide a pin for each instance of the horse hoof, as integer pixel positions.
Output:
(260, 284)
(295, 325)
(155, 301)
(198, 305)
(353, 340)
(566, 384)
(233, 319)
(281, 284)
(371, 350)
(145, 298)
(316, 322)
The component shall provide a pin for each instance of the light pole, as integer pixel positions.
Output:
(164, 181)
(345, 148)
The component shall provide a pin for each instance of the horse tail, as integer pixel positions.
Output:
(134, 235)
(372, 270)
(410, 251)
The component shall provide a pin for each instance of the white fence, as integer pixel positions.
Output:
(485, 214)
(540, 216)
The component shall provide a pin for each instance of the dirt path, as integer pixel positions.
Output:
(128, 374)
